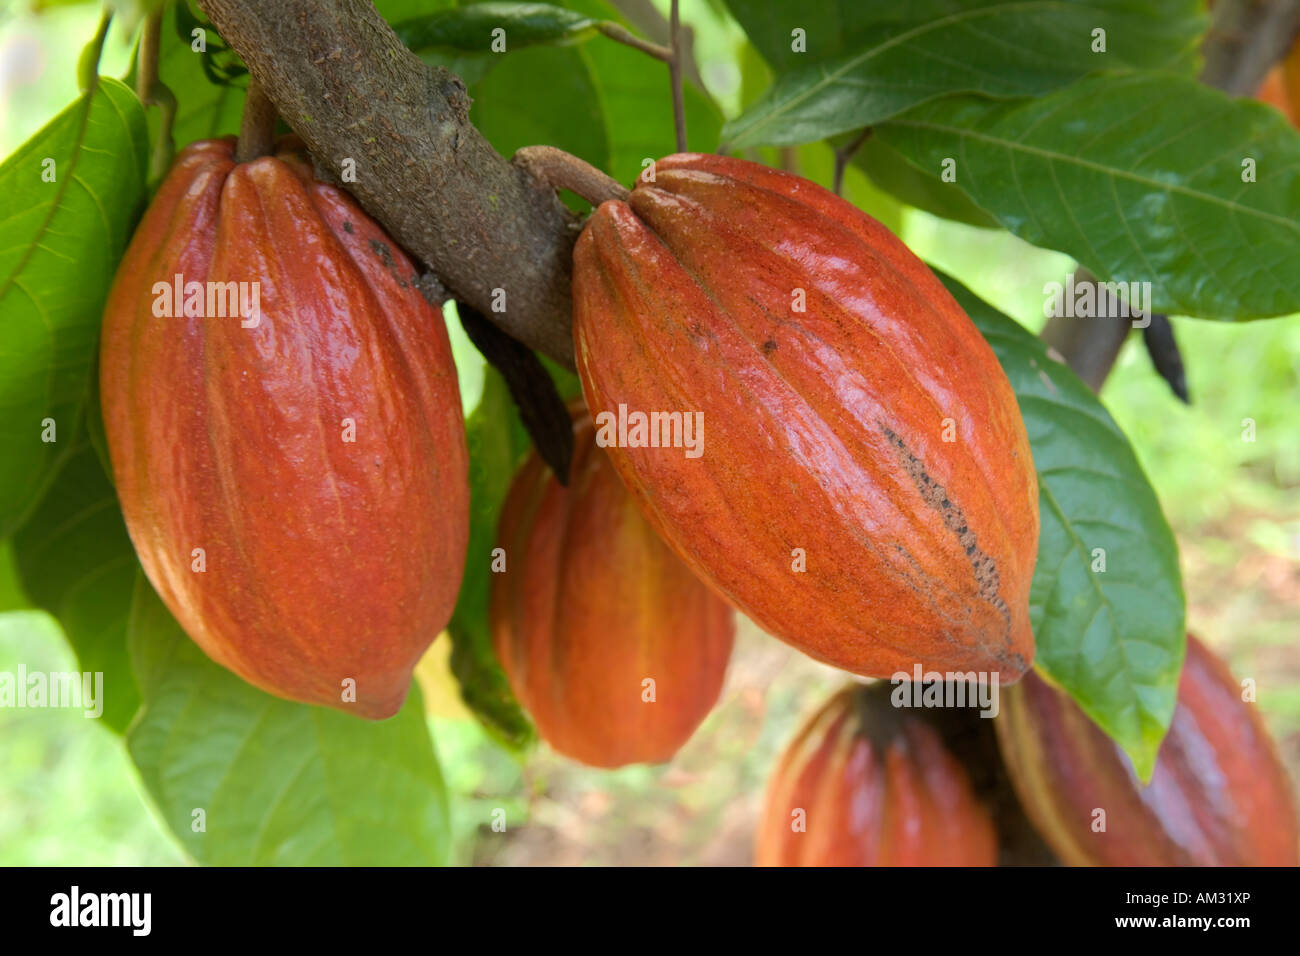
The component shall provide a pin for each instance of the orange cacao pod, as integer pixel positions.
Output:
(592, 604)
(873, 429)
(1218, 797)
(872, 785)
(1281, 86)
(311, 447)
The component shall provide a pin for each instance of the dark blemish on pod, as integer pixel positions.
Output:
(769, 346)
(381, 249)
(347, 227)
(934, 495)
(384, 253)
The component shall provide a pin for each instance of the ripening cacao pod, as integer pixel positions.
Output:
(293, 470)
(1281, 86)
(865, 490)
(1218, 796)
(866, 784)
(592, 605)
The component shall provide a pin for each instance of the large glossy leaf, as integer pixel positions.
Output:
(76, 562)
(62, 242)
(243, 778)
(891, 172)
(1113, 639)
(1140, 178)
(874, 61)
(496, 444)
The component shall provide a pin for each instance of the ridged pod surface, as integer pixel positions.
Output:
(317, 457)
(876, 787)
(1218, 797)
(850, 409)
(592, 604)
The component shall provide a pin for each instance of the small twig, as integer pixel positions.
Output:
(153, 92)
(844, 155)
(675, 76)
(561, 170)
(147, 74)
(1168, 361)
(257, 125)
(621, 34)
(645, 16)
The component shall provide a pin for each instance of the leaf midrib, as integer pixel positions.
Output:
(1111, 171)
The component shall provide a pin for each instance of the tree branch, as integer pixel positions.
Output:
(343, 80)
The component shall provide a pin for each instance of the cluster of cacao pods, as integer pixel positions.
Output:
(864, 783)
(828, 506)
(294, 480)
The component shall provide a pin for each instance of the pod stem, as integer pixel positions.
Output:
(675, 78)
(562, 170)
(153, 92)
(257, 126)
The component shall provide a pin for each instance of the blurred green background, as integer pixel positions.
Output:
(70, 795)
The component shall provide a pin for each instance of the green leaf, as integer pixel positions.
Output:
(1139, 177)
(890, 171)
(471, 29)
(513, 110)
(76, 562)
(496, 445)
(877, 64)
(63, 240)
(12, 597)
(246, 779)
(461, 39)
(398, 11)
(1113, 639)
(816, 161)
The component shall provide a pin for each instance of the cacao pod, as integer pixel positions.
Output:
(590, 605)
(872, 785)
(313, 448)
(1281, 86)
(826, 424)
(1218, 796)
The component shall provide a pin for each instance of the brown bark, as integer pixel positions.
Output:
(341, 78)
